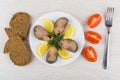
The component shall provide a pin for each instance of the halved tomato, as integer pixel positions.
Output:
(94, 20)
(90, 54)
(93, 37)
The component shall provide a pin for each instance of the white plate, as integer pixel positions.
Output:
(78, 37)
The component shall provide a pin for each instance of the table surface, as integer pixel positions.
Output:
(80, 69)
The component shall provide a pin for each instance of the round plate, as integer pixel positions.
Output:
(78, 37)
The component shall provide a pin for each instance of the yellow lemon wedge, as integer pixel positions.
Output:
(69, 32)
(48, 24)
(42, 49)
(64, 54)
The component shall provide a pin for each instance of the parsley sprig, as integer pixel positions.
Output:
(55, 40)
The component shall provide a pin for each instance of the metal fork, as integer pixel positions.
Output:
(108, 23)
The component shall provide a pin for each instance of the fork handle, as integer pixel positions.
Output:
(106, 56)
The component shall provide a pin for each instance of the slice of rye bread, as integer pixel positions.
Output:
(20, 24)
(19, 53)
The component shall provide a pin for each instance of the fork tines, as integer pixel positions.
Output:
(109, 15)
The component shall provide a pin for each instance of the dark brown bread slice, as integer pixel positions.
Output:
(19, 53)
(20, 24)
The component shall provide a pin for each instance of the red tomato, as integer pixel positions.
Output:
(93, 37)
(90, 54)
(94, 20)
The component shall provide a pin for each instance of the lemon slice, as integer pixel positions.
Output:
(64, 54)
(42, 49)
(69, 32)
(48, 24)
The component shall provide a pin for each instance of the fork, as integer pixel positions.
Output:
(108, 23)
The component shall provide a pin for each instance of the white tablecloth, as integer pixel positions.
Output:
(80, 69)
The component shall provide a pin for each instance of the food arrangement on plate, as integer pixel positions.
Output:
(56, 38)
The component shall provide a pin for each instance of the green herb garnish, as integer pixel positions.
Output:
(55, 40)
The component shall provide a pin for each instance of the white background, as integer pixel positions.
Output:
(80, 69)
